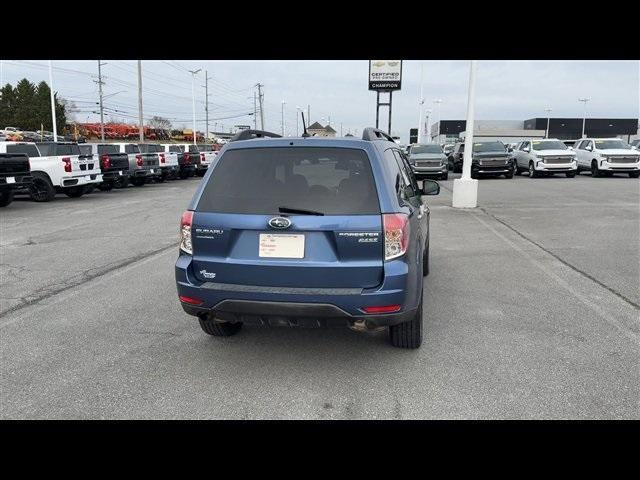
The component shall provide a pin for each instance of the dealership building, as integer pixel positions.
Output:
(508, 131)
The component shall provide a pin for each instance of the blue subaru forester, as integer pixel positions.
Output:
(307, 232)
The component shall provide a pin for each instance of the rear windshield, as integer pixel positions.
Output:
(130, 148)
(29, 149)
(150, 148)
(57, 149)
(205, 148)
(334, 181)
(175, 148)
(110, 149)
(85, 149)
(426, 149)
(193, 149)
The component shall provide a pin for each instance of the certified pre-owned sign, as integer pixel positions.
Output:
(385, 75)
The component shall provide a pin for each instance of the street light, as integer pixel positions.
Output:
(297, 115)
(548, 110)
(584, 116)
(283, 103)
(420, 104)
(438, 102)
(426, 125)
(193, 100)
(465, 189)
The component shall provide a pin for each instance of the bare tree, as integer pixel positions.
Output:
(160, 122)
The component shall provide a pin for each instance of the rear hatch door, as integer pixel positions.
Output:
(290, 217)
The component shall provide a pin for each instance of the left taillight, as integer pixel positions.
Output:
(139, 161)
(185, 232)
(105, 161)
(396, 235)
(162, 158)
(67, 164)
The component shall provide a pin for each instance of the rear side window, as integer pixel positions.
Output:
(102, 149)
(30, 150)
(130, 148)
(334, 181)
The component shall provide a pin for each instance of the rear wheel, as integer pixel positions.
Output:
(571, 174)
(184, 174)
(408, 334)
(89, 188)
(105, 187)
(634, 174)
(444, 176)
(138, 181)
(74, 192)
(509, 175)
(218, 329)
(121, 182)
(6, 197)
(42, 189)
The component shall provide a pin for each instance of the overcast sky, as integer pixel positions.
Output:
(505, 90)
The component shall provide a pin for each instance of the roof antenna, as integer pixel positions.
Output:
(304, 127)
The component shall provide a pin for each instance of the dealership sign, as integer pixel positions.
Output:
(385, 75)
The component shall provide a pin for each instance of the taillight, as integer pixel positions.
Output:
(190, 300)
(139, 160)
(381, 309)
(396, 234)
(202, 157)
(67, 164)
(105, 161)
(187, 158)
(185, 232)
(162, 158)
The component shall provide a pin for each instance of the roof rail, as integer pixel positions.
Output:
(250, 134)
(372, 134)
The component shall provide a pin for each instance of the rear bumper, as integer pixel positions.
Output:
(113, 175)
(20, 181)
(310, 307)
(79, 180)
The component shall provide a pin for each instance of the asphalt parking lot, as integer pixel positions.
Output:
(532, 310)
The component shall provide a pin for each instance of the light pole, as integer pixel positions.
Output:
(465, 189)
(584, 116)
(426, 125)
(438, 102)
(297, 115)
(548, 110)
(283, 103)
(193, 100)
(420, 104)
(53, 103)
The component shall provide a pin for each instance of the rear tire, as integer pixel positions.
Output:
(105, 187)
(74, 192)
(138, 181)
(408, 334)
(42, 189)
(571, 174)
(444, 176)
(184, 174)
(89, 188)
(509, 175)
(217, 329)
(6, 197)
(634, 174)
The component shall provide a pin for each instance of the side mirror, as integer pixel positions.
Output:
(509, 149)
(526, 149)
(589, 148)
(430, 187)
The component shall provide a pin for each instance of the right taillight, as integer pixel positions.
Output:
(396, 235)
(67, 164)
(187, 158)
(139, 161)
(105, 161)
(162, 158)
(185, 232)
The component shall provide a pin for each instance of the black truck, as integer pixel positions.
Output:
(15, 174)
(488, 158)
(113, 164)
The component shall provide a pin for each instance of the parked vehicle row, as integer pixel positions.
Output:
(537, 157)
(76, 169)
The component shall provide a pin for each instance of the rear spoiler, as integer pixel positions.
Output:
(370, 134)
(251, 134)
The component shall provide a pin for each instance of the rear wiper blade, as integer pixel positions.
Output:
(300, 211)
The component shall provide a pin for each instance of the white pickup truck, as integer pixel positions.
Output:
(168, 161)
(57, 167)
(606, 156)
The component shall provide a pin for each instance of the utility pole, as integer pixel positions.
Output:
(141, 127)
(340, 128)
(438, 102)
(283, 126)
(309, 114)
(53, 103)
(193, 100)
(426, 125)
(548, 110)
(420, 104)
(297, 115)
(260, 103)
(255, 112)
(465, 189)
(206, 106)
(584, 116)
(100, 83)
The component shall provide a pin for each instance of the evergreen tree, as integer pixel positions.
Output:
(7, 106)
(26, 110)
(28, 107)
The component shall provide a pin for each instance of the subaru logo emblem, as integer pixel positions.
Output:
(280, 222)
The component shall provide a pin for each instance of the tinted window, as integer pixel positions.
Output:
(205, 148)
(426, 149)
(130, 148)
(488, 147)
(175, 148)
(150, 148)
(334, 181)
(108, 149)
(85, 149)
(30, 150)
(57, 149)
(193, 149)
